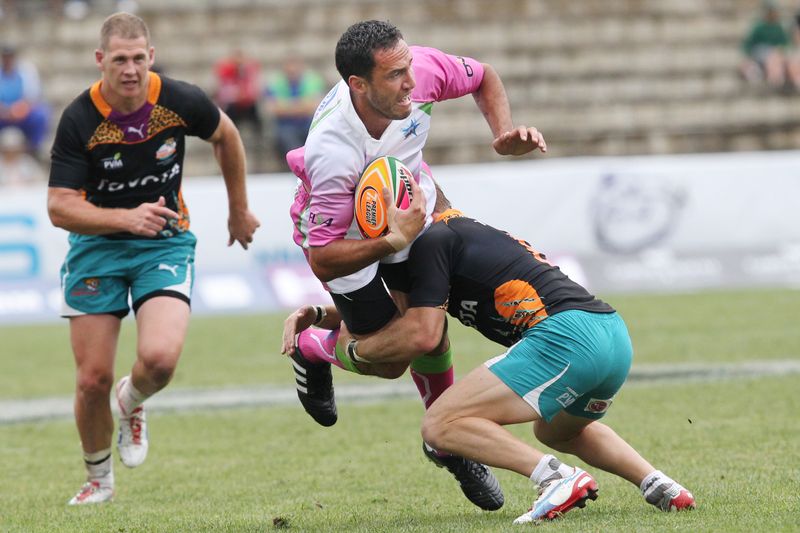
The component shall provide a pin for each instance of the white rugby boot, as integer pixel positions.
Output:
(560, 496)
(132, 443)
(93, 491)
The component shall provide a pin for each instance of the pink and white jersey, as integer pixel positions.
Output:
(339, 147)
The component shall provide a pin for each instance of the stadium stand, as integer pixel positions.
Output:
(614, 77)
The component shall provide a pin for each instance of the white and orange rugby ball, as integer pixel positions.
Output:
(370, 210)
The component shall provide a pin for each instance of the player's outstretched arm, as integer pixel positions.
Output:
(229, 151)
(492, 100)
(418, 332)
(68, 209)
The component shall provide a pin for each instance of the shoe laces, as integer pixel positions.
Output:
(135, 425)
(471, 468)
(88, 488)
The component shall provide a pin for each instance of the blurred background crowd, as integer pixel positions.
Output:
(606, 77)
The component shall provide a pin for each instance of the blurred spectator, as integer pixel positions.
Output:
(20, 103)
(239, 89)
(292, 96)
(17, 167)
(766, 50)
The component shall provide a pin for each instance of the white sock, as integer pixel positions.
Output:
(129, 397)
(548, 469)
(653, 485)
(100, 467)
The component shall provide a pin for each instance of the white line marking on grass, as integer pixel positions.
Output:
(14, 411)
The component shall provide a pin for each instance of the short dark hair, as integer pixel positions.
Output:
(356, 47)
(125, 26)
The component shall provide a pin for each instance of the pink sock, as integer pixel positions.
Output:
(319, 345)
(431, 386)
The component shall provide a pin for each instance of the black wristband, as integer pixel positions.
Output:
(321, 314)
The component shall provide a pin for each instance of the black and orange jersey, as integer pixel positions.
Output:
(489, 280)
(125, 160)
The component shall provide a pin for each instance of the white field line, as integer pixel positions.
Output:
(14, 411)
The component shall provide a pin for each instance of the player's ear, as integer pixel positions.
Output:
(152, 54)
(98, 58)
(357, 84)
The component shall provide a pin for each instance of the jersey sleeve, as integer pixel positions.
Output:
(70, 164)
(332, 192)
(201, 114)
(430, 264)
(442, 76)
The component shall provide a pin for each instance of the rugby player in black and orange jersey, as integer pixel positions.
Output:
(115, 185)
(568, 354)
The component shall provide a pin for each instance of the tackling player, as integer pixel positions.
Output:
(115, 185)
(568, 355)
(381, 107)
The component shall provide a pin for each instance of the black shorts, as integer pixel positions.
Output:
(371, 307)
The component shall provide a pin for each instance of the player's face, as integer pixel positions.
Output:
(124, 66)
(389, 89)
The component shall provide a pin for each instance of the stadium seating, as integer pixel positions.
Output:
(598, 78)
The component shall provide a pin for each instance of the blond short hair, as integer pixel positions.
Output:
(125, 26)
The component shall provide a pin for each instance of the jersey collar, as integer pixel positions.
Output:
(447, 215)
(153, 92)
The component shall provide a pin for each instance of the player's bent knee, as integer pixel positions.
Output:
(159, 366)
(435, 431)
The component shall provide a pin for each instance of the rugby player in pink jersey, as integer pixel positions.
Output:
(382, 106)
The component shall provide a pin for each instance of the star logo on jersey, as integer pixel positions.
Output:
(411, 129)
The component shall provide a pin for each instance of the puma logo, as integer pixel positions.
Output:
(173, 268)
(137, 131)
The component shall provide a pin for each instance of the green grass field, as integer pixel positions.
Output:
(272, 468)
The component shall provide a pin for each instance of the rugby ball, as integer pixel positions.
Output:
(370, 211)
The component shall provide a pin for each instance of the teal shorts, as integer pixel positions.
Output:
(104, 276)
(573, 360)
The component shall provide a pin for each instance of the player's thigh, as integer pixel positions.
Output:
(480, 394)
(94, 344)
(161, 325)
(562, 427)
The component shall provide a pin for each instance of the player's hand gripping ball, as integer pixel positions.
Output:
(370, 210)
